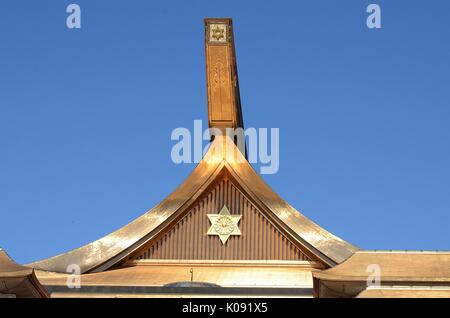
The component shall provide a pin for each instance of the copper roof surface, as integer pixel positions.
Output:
(109, 250)
(18, 280)
(395, 266)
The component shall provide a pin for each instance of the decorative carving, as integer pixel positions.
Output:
(218, 33)
(224, 224)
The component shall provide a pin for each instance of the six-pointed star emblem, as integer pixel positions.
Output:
(218, 32)
(224, 224)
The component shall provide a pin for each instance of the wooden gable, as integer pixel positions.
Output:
(187, 239)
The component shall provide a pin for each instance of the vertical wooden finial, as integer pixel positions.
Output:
(224, 105)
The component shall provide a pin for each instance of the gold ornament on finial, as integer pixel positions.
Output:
(218, 32)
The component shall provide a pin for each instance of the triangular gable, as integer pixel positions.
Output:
(258, 239)
(118, 246)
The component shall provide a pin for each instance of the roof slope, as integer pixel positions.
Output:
(19, 280)
(222, 154)
(401, 274)
(398, 267)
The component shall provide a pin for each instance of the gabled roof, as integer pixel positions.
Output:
(222, 154)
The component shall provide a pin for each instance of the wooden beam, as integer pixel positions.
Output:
(224, 105)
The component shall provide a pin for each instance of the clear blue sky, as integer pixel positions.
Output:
(86, 115)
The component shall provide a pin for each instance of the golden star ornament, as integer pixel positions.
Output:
(224, 224)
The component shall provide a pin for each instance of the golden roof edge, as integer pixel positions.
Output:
(111, 249)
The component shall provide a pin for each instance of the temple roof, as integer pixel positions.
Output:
(115, 247)
(296, 231)
(224, 112)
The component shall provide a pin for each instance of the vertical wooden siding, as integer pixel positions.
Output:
(187, 239)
